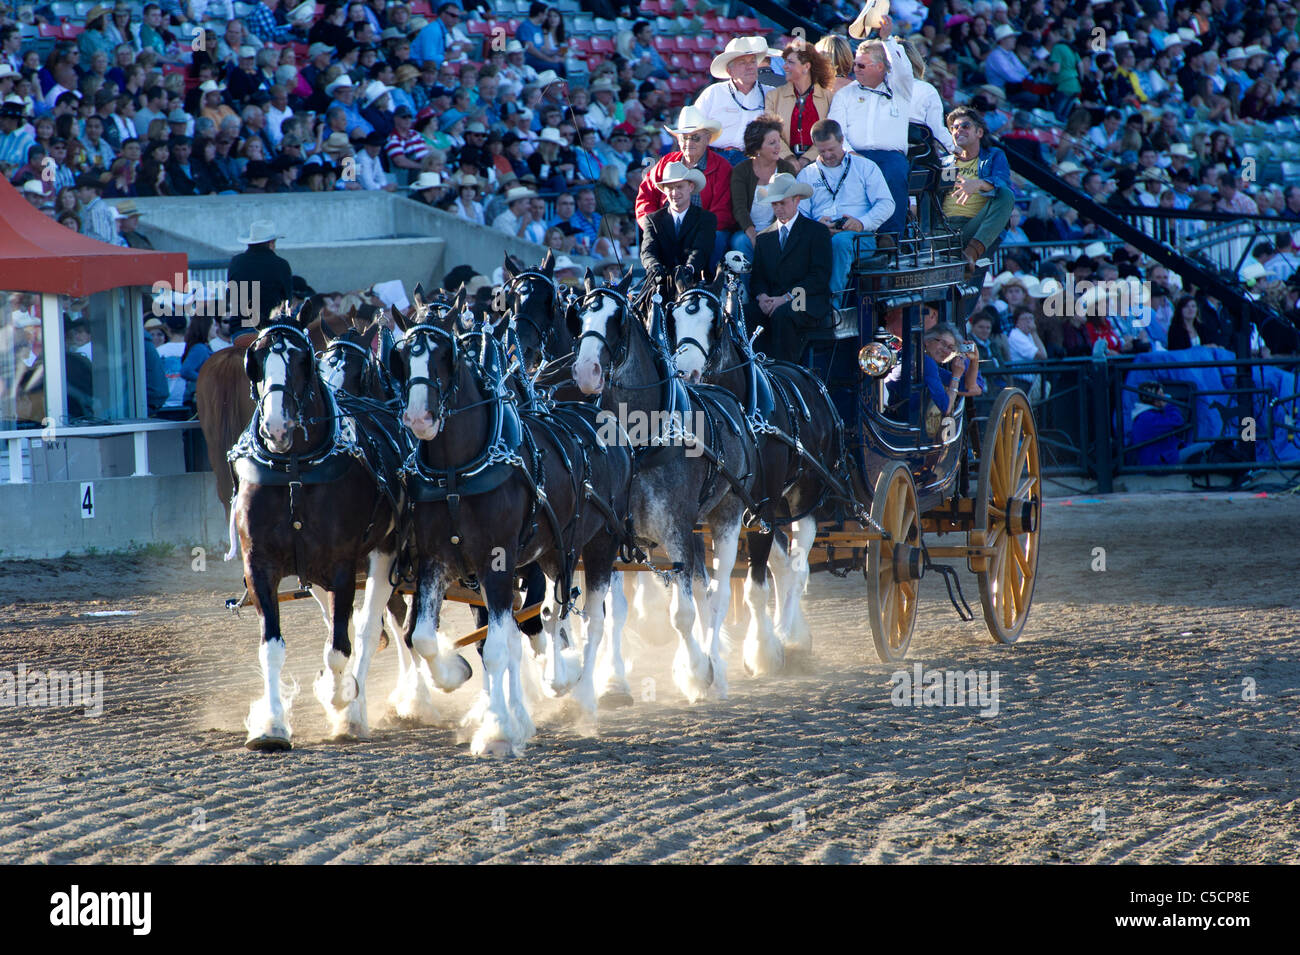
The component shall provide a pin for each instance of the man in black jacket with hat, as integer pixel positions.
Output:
(681, 234)
(258, 280)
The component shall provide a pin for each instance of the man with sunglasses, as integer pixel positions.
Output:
(874, 113)
(980, 201)
(435, 42)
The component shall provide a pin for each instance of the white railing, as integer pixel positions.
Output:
(18, 442)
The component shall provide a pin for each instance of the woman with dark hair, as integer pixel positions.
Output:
(94, 38)
(208, 176)
(763, 146)
(1259, 102)
(152, 180)
(802, 101)
(1222, 151)
(1184, 329)
(122, 185)
(197, 351)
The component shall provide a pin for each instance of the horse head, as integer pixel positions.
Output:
(347, 363)
(695, 322)
(282, 368)
(600, 324)
(425, 362)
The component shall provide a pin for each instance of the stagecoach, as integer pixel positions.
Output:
(926, 489)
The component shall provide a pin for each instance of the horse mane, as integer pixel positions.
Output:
(225, 407)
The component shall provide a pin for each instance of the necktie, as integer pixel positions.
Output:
(785, 232)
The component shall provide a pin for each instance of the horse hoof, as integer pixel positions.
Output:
(616, 700)
(498, 749)
(268, 744)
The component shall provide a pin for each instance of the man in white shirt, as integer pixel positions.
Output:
(518, 215)
(850, 196)
(740, 98)
(370, 169)
(874, 113)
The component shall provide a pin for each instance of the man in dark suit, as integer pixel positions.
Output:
(680, 234)
(790, 284)
(258, 280)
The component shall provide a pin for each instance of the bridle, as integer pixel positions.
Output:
(333, 355)
(590, 301)
(545, 336)
(277, 335)
(416, 343)
(688, 297)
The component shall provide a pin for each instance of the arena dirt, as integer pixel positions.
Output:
(1148, 715)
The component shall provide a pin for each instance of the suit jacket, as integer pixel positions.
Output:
(781, 102)
(714, 197)
(663, 249)
(804, 263)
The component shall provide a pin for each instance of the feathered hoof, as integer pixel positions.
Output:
(616, 699)
(268, 744)
(497, 749)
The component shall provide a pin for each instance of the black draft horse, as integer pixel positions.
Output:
(495, 488)
(313, 500)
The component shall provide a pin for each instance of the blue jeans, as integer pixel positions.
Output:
(893, 166)
(733, 156)
(842, 259)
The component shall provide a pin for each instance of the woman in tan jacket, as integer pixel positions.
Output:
(802, 101)
(764, 142)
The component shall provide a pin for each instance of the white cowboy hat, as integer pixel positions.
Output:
(519, 192)
(1236, 53)
(303, 13)
(691, 120)
(1048, 287)
(1033, 286)
(1187, 34)
(1255, 50)
(375, 90)
(551, 135)
(1003, 31)
(1095, 250)
(783, 186)
(1180, 149)
(1121, 39)
(545, 78)
(427, 180)
(342, 80)
(33, 187)
(869, 18)
(736, 48)
(247, 52)
(1068, 168)
(603, 85)
(680, 172)
(1252, 272)
(7, 70)
(262, 230)
(566, 264)
(514, 46)
(211, 86)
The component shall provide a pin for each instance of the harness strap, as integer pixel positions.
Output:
(295, 522)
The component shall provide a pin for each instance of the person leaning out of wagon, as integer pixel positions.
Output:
(951, 368)
(980, 200)
(681, 234)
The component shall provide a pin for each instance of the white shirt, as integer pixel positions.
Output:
(733, 109)
(927, 108)
(274, 120)
(1021, 346)
(859, 189)
(870, 118)
(370, 172)
(679, 216)
(507, 222)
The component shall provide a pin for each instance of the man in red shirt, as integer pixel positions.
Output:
(694, 133)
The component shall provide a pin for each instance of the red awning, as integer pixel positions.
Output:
(39, 255)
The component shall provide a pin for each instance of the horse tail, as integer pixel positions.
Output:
(225, 407)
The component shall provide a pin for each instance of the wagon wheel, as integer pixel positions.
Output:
(894, 567)
(1008, 510)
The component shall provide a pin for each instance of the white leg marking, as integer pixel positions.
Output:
(268, 717)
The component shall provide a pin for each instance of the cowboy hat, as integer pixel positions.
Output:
(1121, 39)
(869, 19)
(427, 180)
(550, 135)
(1155, 173)
(341, 80)
(468, 180)
(247, 52)
(211, 86)
(680, 172)
(1003, 31)
(336, 143)
(128, 208)
(691, 120)
(545, 78)
(1236, 53)
(737, 47)
(316, 49)
(33, 187)
(519, 192)
(374, 91)
(783, 186)
(566, 264)
(392, 33)
(303, 13)
(406, 72)
(262, 230)
(1095, 250)
(1180, 149)
(1068, 168)
(514, 46)
(94, 13)
(603, 85)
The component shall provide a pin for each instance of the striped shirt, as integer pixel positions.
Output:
(98, 223)
(412, 146)
(14, 146)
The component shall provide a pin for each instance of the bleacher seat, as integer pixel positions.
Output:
(580, 43)
(567, 7)
(747, 24)
(422, 8)
(1291, 170)
(653, 8)
(679, 61)
(706, 43)
(710, 22)
(603, 44)
(63, 10)
(664, 44)
(700, 63)
(728, 26)
(51, 30)
(581, 24)
(478, 28)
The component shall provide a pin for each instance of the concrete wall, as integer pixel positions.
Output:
(335, 241)
(45, 520)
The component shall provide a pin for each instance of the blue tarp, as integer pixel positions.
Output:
(1281, 385)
